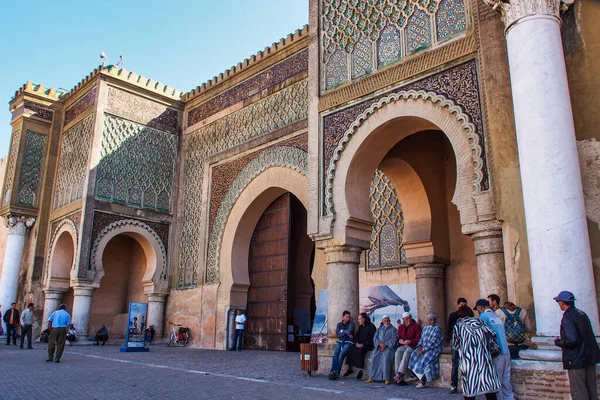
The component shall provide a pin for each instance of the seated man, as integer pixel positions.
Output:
(409, 334)
(72, 335)
(101, 336)
(345, 334)
(424, 362)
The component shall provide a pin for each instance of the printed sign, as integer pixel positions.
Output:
(136, 326)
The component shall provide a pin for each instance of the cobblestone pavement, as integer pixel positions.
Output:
(87, 372)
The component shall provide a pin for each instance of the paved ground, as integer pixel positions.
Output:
(87, 372)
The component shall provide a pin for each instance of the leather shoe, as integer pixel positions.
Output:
(369, 380)
(359, 375)
(50, 360)
(350, 371)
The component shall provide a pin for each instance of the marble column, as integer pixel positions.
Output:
(13, 255)
(489, 250)
(82, 308)
(156, 312)
(342, 284)
(430, 292)
(52, 300)
(559, 247)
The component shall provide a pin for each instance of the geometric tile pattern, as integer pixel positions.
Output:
(72, 165)
(362, 58)
(337, 70)
(459, 84)
(31, 169)
(388, 46)
(450, 19)
(346, 23)
(80, 106)
(10, 166)
(281, 109)
(288, 157)
(137, 165)
(418, 32)
(386, 249)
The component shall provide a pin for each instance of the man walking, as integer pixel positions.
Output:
(580, 350)
(26, 325)
(11, 319)
(58, 323)
(503, 361)
(452, 320)
(238, 336)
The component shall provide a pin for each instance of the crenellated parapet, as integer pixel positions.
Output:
(39, 90)
(247, 63)
(514, 10)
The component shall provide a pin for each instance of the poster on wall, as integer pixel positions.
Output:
(376, 301)
(136, 326)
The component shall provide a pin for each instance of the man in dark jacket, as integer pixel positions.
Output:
(344, 332)
(12, 318)
(452, 320)
(580, 350)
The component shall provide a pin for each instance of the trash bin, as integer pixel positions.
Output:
(308, 357)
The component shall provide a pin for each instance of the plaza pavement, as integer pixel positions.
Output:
(95, 372)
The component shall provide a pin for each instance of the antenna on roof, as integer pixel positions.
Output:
(120, 63)
(104, 58)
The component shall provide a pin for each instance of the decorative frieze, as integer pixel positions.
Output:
(80, 106)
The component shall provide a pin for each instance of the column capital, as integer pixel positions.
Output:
(17, 225)
(157, 297)
(87, 291)
(342, 254)
(54, 294)
(514, 10)
(435, 271)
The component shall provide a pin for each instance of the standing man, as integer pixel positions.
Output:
(503, 361)
(580, 350)
(26, 324)
(240, 323)
(452, 320)
(344, 332)
(58, 323)
(11, 319)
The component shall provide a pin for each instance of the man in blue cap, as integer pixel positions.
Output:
(580, 350)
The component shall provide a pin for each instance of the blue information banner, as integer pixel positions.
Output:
(136, 326)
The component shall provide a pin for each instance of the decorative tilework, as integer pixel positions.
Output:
(386, 249)
(31, 169)
(10, 166)
(30, 109)
(137, 164)
(80, 106)
(337, 70)
(223, 175)
(281, 109)
(142, 110)
(450, 19)
(289, 157)
(273, 76)
(388, 46)
(344, 23)
(73, 163)
(459, 84)
(362, 58)
(418, 32)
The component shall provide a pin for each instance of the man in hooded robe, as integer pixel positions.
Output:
(424, 361)
(382, 360)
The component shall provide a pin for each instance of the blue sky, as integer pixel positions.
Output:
(179, 43)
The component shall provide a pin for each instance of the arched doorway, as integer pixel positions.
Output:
(281, 300)
(124, 264)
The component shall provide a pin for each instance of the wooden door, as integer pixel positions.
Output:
(268, 265)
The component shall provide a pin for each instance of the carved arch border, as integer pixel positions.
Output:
(437, 99)
(66, 225)
(287, 157)
(132, 226)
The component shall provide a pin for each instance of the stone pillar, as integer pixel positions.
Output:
(156, 312)
(52, 300)
(430, 292)
(82, 307)
(489, 250)
(13, 255)
(342, 284)
(557, 233)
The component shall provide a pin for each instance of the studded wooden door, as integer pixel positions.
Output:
(268, 264)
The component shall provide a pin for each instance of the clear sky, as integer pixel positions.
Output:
(181, 43)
